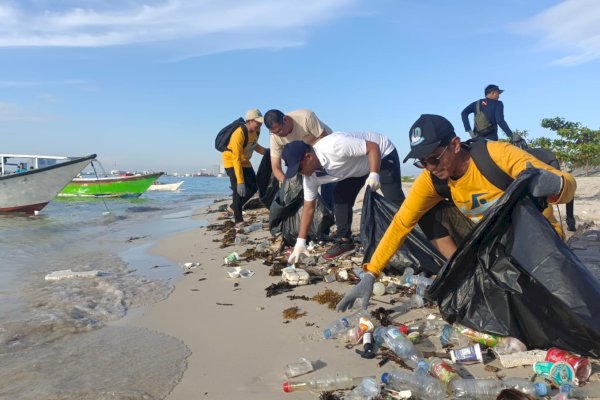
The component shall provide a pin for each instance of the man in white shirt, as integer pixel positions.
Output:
(351, 160)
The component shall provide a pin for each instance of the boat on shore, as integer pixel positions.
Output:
(124, 186)
(29, 186)
(165, 187)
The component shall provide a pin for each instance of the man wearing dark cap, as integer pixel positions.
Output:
(488, 114)
(351, 160)
(439, 152)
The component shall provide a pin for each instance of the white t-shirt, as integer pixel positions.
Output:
(343, 155)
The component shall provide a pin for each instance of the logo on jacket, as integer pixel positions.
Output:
(416, 137)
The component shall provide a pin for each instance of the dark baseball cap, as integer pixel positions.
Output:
(292, 154)
(428, 133)
(491, 88)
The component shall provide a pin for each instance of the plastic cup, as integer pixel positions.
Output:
(233, 257)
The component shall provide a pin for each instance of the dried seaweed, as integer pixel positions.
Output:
(293, 313)
(277, 268)
(251, 254)
(278, 288)
(329, 396)
(390, 355)
(382, 315)
(329, 297)
(296, 297)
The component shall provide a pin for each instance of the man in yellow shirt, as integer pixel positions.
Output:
(236, 160)
(441, 154)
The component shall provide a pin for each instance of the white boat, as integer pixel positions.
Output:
(38, 180)
(165, 187)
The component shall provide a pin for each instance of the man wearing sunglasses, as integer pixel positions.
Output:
(436, 149)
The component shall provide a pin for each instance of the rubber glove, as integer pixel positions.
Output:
(241, 189)
(544, 184)
(373, 181)
(363, 291)
(299, 250)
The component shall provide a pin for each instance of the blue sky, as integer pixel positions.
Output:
(147, 84)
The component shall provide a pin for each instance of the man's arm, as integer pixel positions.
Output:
(259, 149)
(500, 119)
(276, 168)
(465, 116)
(374, 156)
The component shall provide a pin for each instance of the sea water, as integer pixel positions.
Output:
(60, 339)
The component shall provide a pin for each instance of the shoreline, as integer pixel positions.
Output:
(238, 339)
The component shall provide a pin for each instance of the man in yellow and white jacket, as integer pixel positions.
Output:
(439, 152)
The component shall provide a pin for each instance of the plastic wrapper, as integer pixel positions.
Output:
(416, 251)
(514, 276)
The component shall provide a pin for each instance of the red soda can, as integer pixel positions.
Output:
(581, 365)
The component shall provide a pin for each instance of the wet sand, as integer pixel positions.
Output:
(239, 340)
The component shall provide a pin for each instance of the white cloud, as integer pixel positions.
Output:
(10, 112)
(8, 84)
(572, 26)
(98, 23)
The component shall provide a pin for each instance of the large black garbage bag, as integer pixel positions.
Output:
(286, 211)
(416, 251)
(514, 276)
(266, 181)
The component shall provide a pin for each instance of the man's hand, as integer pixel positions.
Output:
(363, 291)
(373, 181)
(241, 189)
(544, 184)
(299, 251)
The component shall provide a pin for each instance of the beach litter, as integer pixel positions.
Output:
(68, 274)
(293, 313)
(238, 272)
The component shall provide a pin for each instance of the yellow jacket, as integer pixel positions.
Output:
(237, 156)
(472, 194)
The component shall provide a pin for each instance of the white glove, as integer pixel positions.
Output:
(299, 250)
(373, 181)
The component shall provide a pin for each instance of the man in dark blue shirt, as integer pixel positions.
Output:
(493, 109)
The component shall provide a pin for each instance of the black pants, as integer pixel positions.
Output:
(251, 188)
(346, 191)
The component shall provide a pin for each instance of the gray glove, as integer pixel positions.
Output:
(472, 134)
(241, 189)
(544, 184)
(516, 138)
(363, 291)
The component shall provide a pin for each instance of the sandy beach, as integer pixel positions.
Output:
(238, 337)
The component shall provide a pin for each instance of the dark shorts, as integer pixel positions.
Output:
(446, 220)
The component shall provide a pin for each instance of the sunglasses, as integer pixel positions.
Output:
(433, 161)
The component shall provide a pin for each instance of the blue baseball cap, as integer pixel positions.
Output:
(292, 154)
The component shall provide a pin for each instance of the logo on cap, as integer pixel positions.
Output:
(416, 137)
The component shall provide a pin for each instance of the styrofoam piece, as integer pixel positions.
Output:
(521, 358)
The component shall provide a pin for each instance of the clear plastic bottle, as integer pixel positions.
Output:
(418, 280)
(564, 393)
(393, 339)
(367, 390)
(240, 238)
(428, 327)
(337, 328)
(300, 367)
(254, 227)
(478, 337)
(415, 301)
(509, 345)
(323, 383)
(422, 386)
(488, 389)
(443, 371)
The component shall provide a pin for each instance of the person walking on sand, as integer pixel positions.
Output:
(441, 154)
(352, 160)
(301, 125)
(236, 160)
(488, 114)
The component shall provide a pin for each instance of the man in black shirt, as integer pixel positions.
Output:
(486, 125)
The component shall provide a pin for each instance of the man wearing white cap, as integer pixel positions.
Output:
(236, 160)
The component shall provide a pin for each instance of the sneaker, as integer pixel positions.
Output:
(340, 248)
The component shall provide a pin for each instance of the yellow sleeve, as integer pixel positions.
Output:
(236, 145)
(421, 198)
(513, 161)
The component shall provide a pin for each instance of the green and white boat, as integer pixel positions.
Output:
(110, 186)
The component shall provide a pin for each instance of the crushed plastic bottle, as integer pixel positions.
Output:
(488, 389)
(367, 390)
(254, 227)
(418, 280)
(509, 345)
(415, 301)
(442, 370)
(450, 336)
(338, 327)
(421, 385)
(323, 383)
(393, 339)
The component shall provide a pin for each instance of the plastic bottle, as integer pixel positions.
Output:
(443, 371)
(253, 227)
(240, 238)
(262, 246)
(337, 328)
(323, 383)
(415, 301)
(428, 327)
(408, 271)
(422, 386)
(418, 280)
(488, 389)
(476, 336)
(509, 345)
(391, 288)
(367, 390)
(393, 339)
(450, 336)
(564, 393)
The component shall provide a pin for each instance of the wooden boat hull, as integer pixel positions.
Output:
(32, 190)
(165, 187)
(114, 186)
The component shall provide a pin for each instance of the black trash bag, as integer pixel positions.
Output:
(286, 211)
(266, 181)
(514, 276)
(416, 251)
